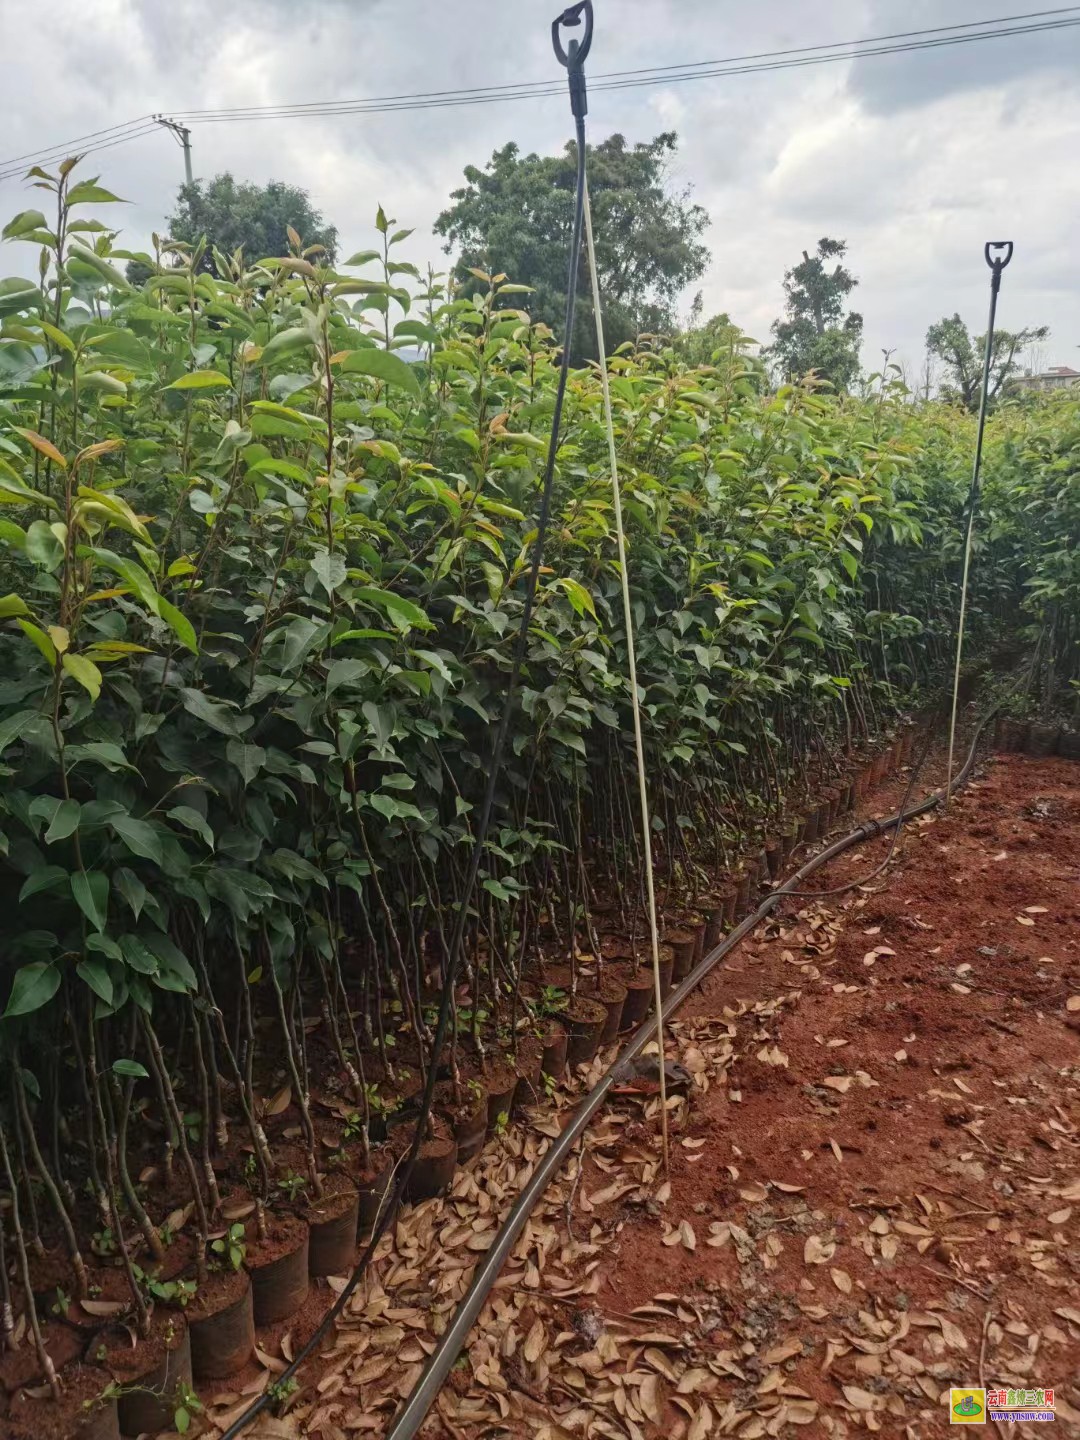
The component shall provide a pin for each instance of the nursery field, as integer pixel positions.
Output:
(265, 536)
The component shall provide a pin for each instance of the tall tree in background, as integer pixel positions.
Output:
(515, 216)
(815, 334)
(962, 355)
(256, 217)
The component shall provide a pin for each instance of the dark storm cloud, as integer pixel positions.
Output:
(895, 83)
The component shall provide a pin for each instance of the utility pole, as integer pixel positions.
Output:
(183, 137)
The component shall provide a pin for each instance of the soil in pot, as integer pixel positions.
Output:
(79, 1414)
(1068, 745)
(611, 993)
(279, 1269)
(813, 815)
(555, 1042)
(585, 1020)
(149, 1372)
(221, 1326)
(467, 1116)
(435, 1163)
(20, 1368)
(332, 1225)
(501, 1082)
(774, 858)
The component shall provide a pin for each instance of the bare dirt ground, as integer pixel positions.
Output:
(874, 1189)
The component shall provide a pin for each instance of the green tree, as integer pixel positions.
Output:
(515, 216)
(962, 355)
(236, 215)
(815, 334)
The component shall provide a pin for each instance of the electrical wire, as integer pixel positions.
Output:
(754, 63)
(136, 129)
(401, 1182)
(649, 75)
(631, 665)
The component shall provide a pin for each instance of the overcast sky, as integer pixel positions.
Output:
(914, 159)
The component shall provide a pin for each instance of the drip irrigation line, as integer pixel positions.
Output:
(454, 1337)
(997, 253)
(866, 879)
(631, 664)
(576, 78)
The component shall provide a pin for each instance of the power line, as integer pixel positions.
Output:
(526, 89)
(668, 76)
(799, 57)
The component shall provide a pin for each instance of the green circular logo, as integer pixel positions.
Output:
(968, 1406)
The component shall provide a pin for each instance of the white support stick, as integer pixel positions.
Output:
(628, 620)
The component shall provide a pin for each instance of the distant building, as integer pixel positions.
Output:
(1056, 378)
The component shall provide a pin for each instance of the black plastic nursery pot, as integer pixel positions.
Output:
(279, 1269)
(638, 980)
(683, 943)
(556, 1042)
(1042, 739)
(372, 1184)
(500, 1094)
(585, 1020)
(435, 1165)
(221, 1326)
(146, 1404)
(611, 994)
(468, 1120)
(528, 1064)
(332, 1225)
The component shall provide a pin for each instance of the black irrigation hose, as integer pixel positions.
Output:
(450, 1345)
(401, 1179)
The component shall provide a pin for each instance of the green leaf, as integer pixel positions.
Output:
(87, 192)
(12, 605)
(23, 223)
(130, 1069)
(41, 640)
(383, 365)
(192, 820)
(84, 671)
(248, 759)
(402, 612)
(219, 716)
(91, 891)
(96, 975)
(578, 596)
(64, 822)
(201, 380)
(43, 546)
(284, 342)
(131, 889)
(178, 623)
(140, 837)
(45, 877)
(330, 570)
(34, 986)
